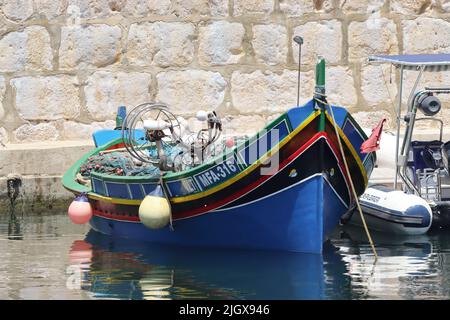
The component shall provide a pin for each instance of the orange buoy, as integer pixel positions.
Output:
(80, 210)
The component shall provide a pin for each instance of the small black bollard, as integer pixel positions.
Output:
(13, 187)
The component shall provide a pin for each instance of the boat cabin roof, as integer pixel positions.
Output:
(429, 62)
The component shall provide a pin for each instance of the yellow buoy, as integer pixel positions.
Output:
(154, 211)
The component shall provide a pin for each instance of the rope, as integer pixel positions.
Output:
(389, 91)
(161, 182)
(350, 178)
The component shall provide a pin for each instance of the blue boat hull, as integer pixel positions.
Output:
(298, 218)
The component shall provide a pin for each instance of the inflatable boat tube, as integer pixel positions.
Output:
(393, 211)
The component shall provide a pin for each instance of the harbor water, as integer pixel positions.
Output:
(48, 257)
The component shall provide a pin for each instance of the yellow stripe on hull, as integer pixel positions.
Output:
(248, 170)
(352, 150)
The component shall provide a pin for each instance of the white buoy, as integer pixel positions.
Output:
(154, 211)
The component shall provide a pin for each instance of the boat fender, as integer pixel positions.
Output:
(154, 211)
(80, 210)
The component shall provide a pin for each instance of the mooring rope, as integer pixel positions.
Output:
(161, 182)
(341, 148)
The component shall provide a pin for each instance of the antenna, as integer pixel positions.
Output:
(299, 41)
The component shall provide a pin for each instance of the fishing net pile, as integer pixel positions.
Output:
(121, 163)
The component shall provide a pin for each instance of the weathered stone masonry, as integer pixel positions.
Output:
(66, 65)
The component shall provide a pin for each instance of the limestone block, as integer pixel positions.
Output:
(270, 43)
(268, 92)
(72, 130)
(410, 7)
(244, 7)
(47, 98)
(362, 7)
(445, 5)
(26, 50)
(426, 35)
(140, 8)
(369, 119)
(320, 38)
(2, 96)
(91, 9)
(4, 137)
(105, 91)
(186, 92)
(298, 8)
(17, 10)
(50, 8)
(160, 43)
(95, 45)
(242, 125)
(184, 8)
(221, 43)
(39, 132)
(374, 36)
(2, 112)
(340, 87)
(376, 87)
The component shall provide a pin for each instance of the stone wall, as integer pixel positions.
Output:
(66, 65)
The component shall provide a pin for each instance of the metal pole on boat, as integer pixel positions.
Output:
(399, 110)
(299, 41)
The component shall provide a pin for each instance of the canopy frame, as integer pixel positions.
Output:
(420, 63)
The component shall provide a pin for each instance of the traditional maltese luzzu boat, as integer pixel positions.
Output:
(285, 188)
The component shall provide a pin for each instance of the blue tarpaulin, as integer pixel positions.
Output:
(431, 62)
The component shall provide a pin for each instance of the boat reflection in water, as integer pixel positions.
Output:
(127, 269)
(407, 268)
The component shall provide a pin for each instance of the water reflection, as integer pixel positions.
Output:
(47, 257)
(15, 226)
(128, 269)
(407, 267)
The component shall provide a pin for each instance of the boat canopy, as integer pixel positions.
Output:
(428, 62)
(417, 62)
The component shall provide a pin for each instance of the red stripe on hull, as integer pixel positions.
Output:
(115, 216)
(247, 189)
(225, 201)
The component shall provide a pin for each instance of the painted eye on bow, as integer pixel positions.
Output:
(293, 173)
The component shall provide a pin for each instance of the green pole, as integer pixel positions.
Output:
(320, 90)
(320, 75)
